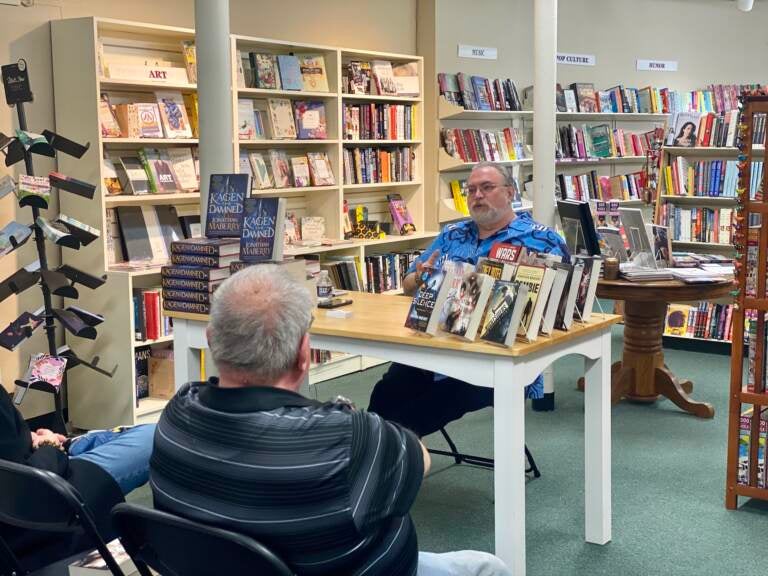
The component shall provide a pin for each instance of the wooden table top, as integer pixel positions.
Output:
(381, 318)
(662, 290)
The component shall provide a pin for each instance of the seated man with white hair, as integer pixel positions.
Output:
(327, 487)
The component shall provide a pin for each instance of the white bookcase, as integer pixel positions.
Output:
(80, 48)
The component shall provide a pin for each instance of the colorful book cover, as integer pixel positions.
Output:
(261, 176)
(19, 330)
(320, 169)
(498, 316)
(173, 114)
(677, 320)
(262, 234)
(45, 368)
(401, 218)
(531, 276)
(226, 195)
(310, 120)
(150, 125)
(290, 72)
(12, 236)
(313, 74)
(300, 166)
(266, 73)
(34, 190)
(424, 300)
(281, 118)
(472, 298)
(281, 168)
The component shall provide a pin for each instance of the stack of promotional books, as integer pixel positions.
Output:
(198, 266)
(513, 294)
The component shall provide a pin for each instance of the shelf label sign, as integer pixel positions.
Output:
(576, 59)
(657, 65)
(481, 52)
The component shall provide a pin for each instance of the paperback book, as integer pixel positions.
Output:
(531, 277)
(401, 218)
(423, 305)
(312, 67)
(310, 120)
(472, 299)
(505, 309)
(173, 114)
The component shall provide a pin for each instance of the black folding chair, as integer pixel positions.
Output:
(481, 461)
(35, 499)
(174, 546)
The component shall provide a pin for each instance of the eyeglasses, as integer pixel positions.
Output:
(486, 188)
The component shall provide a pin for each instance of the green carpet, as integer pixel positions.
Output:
(669, 516)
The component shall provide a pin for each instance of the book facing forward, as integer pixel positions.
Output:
(470, 304)
(262, 234)
(225, 205)
(424, 300)
(502, 317)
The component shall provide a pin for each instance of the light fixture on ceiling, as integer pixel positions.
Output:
(745, 5)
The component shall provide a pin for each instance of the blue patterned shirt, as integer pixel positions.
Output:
(461, 241)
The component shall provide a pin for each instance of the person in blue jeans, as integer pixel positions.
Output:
(102, 466)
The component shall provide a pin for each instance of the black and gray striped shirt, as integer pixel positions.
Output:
(325, 487)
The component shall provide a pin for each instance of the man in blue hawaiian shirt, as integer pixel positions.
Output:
(422, 400)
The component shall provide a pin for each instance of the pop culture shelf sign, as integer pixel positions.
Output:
(576, 59)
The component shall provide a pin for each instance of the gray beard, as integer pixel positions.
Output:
(486, 217)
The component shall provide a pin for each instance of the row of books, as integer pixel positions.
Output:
(301, 72)
(712, 225)
(745, 442)
(381, 77)
(691, 129)
(145, 233)
(758, 128)
(590, 186)
(372, 165)
(153, 372)
(152, 171)
(376, 121)
(170, 116)
(478, 92)
(718, 178)
(281, 119)
(600, 141)
(385, 272)
(460, 196)
(475, 145)
(286, 170)
(148, 319)
(512, 293)
(705, 320)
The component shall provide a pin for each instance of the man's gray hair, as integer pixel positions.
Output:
(258, 317)
(505, 174)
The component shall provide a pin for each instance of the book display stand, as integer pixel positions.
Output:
(46, 371)
(747, 423)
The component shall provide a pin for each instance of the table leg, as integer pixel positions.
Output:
(509, 469)
(597, 446)
(675, 390)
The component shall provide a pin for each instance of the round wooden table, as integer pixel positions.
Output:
(642, 375)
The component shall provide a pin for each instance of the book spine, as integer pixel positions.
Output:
(196, 260)
(186, 284)
(185, 272)
(183, 306)
(187, 295)
(195, 249)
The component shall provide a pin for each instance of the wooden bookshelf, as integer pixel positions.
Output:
(79, 46)
(610, 117)
(752, 485)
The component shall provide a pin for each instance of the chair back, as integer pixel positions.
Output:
(35, 499)
(174, 546)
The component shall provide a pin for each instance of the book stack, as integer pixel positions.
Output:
(471, 145)
(705, 320)
(712, 225)
(379, 121)
(600, 141)
(198, 266)
(513, 294)
(478, 92)
(377, 165)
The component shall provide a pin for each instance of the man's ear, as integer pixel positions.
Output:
(303, 358)
(208, 335)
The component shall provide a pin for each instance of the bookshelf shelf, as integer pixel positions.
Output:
(707, 151)
(381, 185)
(448, 163)
(137, 272)
(150, 141)
(633, 203)
(375, 98)
(358, 244)
(379, 142)
(610, 117)
(448, 111)
(569, 163)
(696, 339)
(129, 85)
(151, 199)
(293, 191)
(702, 245)
(700, 200)
(278, 143)
(149, 406)
(161, 340)
(298, 94)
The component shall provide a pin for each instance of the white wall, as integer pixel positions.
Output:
(712, 40)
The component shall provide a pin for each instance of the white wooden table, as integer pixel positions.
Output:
(376, 329)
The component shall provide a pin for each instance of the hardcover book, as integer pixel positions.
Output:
(188, 307)
(262, 234)
(540, 305)
(112, 185)
(423, 305)
(559, 290)
(359, 77)
(162, 179)
(226, 195)
(384, 78)
(261, 177)
(265, 66)
(447, 306)
(313, 74)
(532, 277)
(206, 246)
(290, 72)
(281, 118)
(300, 166)
(505, 308)
(246, 122)
(107, 119)
(173, 114)
(183, 166)
(196, 285)
(202, 260)
(150, 125)
(310, 120)
(132, 175)
(194, 273)
(187, 295)
(585, 96)
(585, 298)
(473, 297)
(190, 59)
(320, 169)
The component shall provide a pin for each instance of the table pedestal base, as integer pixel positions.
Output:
(642, 376)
